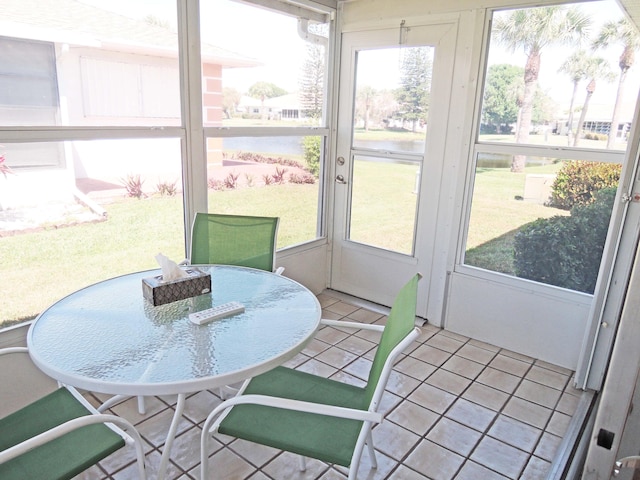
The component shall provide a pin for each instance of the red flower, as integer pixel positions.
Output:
(4, 169)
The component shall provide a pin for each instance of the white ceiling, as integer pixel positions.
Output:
(632, 7)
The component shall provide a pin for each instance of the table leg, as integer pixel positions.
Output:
(166, 452)
(141, 406)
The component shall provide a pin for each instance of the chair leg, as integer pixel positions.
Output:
(363, 438)
(302, 463)
(372, 450)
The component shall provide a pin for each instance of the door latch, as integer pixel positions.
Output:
(634, 197)
(626, 462)
(340, 179)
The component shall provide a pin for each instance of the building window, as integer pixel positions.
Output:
(121, 89)
(28, 84)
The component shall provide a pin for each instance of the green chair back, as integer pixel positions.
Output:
(400, 322)
(246, 241)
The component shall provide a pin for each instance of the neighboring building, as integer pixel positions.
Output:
(284, 107)
(96, 68)
(597, 119)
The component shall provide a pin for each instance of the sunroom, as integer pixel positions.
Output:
(491, 148)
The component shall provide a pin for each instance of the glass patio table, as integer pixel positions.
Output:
(107, 338)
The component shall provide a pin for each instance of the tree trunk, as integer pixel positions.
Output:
(613, 130)
(526, 110)
(366, 118)
(590, 89)
(570, 119)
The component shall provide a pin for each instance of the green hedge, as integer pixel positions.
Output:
(578, 181)
(311, 146)
(566, 251)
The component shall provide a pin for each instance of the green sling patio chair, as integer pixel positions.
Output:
(314, 416)
(59, 435)
(242, 240)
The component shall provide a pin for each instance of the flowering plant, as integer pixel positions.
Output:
(4, 168)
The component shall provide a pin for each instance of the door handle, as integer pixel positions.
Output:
(340, 179)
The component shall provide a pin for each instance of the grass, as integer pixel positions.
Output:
(41, 267)
(497, 213)
(383, 205)
(296, 205)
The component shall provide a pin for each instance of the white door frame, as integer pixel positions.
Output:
(362, 270)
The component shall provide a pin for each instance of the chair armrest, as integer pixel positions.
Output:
(298, 405)
(63, 429)
(362, 326)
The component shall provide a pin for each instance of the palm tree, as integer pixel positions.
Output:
(596, 68)
(365, 97)
(264, 90)
(532, 30)
(581, 66)
(619, 32)
(574, 67)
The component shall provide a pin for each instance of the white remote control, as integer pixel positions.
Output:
(213, 313)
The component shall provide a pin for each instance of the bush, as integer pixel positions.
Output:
(578, 181)
(596, 136)
(566, 251)
(231, 181)
(311, 146)
(133, 184)
(215, 184)
(166, 189)
(488, 129)
(305, 178)
(259, 158)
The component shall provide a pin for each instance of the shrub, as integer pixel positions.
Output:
(258, 158)
(565, 251)
(133, 184)
(231, 181)
(578, 181)
(166, 189)
(305, 178)
(596, 136)
(311, 146)
(278, 177)
(215, 184)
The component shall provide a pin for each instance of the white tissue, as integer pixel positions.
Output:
(170, 269)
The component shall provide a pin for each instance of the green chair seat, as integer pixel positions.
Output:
(327, 438)
(64, 457)
(274, 408)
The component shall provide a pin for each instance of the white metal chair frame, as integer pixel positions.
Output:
(119, 425)
(370, 417)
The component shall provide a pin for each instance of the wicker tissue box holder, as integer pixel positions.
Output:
(158, 292)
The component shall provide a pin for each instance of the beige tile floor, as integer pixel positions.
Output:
(455, 408)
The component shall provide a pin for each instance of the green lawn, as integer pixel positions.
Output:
(497, 213)
(39, 268)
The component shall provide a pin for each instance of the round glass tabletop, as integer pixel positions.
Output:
(108, 338)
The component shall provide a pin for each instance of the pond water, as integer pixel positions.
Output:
(293, 146)
(501, 160)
